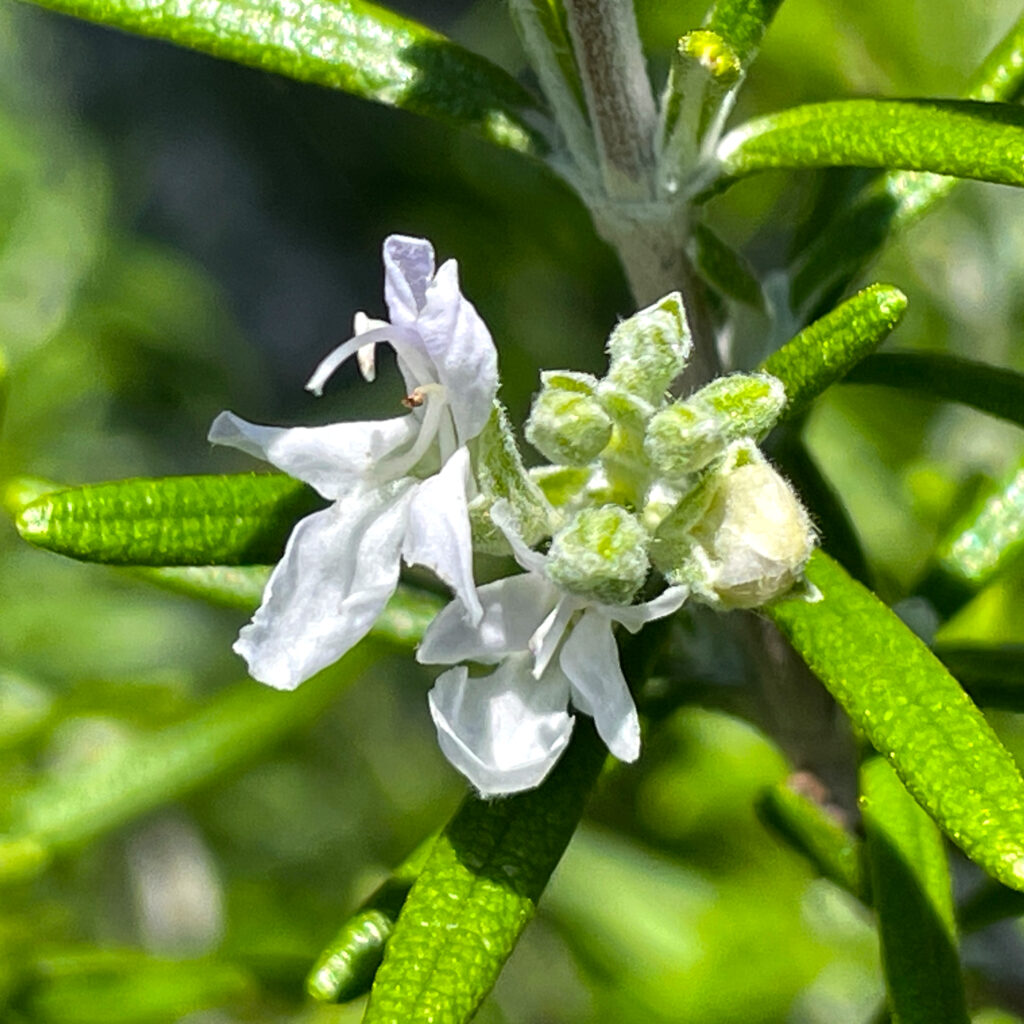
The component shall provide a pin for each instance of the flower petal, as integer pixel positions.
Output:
(635, 616)
(408, 270)
(459, 345)
(504, 731)
(438, 533)
(512, 610)
(332, 458)
(339, 569)
(590, 659)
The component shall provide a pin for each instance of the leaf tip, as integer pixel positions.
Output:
(33, 521)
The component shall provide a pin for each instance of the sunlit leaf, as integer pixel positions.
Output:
(188, 520)
(350, 45)
(477, 891)
(825, 351)
(953, 137)
(742, 23)
(898, 198)
(914, 713)
(913, 901)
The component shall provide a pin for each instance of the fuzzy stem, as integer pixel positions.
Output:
(618, 93)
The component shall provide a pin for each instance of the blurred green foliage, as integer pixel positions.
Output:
(121, 347)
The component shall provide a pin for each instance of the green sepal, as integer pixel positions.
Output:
(962, 138)
(348, 964)
(914, 713)
(350, 45)
(991, 389)
(186, 520)
(810, 830)
(501, 475)
(477, 892)
(829, 348)
(232, 729)
(567, 424)
(913, 900)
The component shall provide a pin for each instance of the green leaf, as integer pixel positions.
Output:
(725, 268)
(346, 968)
(914, 713)
(123, 986)
(899, 198)
(830, 347)
(350, 45)
(233, 729)
(913, 899)
(742, 24)
(187, 520)
(476, 893)
(992, 389)
(955, 137)
(984, 542)
(814, 833)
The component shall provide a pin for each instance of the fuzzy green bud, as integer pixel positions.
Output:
(742, 538)
(689, 435)
(567, 423)
(602, 554)
(650, 349)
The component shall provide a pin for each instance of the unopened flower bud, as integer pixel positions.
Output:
(649, 350)
(744, 539)
(567, 423)
(602, 554)
(689, 435)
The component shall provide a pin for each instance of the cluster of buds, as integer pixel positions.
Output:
(637, 481)
(640, 479)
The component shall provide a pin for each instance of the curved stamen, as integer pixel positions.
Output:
(389, 332)
(433, 399)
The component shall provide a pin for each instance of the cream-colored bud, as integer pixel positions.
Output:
(748, 536)
(602, 554)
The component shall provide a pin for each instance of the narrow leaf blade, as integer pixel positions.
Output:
(348, 964)
(742, 24)
(913, 900)
(914, 713)
(984, 542)
(898, 198)
(187, 520)
(233, 729)
(476, 893)
(811, 831)
(351, 45)
(829, 348)
(962, 138)
(991, 389)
